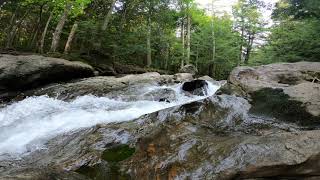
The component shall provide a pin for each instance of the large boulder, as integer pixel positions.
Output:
(128, 88)
(191, 69)
(195, 87)
(19, 73)
(289, 91)
(215, 138)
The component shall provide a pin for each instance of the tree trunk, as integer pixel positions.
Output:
(211, 70)
(14, 30)
(106, 22)
(108, 16)
(249, 48)
(197, 56)
(37, 28)
(167, 55)
(70, 38)
(241, 43)
(149, 56)
(58, 31)
(11, 25)
(183, 43)
(43, 37)
(188, 35)
(212, 64)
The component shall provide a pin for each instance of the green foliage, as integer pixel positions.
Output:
(118, 153)
(295, 35)
(293, 41)
(297, 9)
(128, 28)
(249, 22)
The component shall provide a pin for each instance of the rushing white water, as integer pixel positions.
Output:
(26, 125)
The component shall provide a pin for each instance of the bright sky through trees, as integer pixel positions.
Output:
(226, 5)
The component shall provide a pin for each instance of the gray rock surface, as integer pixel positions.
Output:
(113, 87)
(215, 138)
(220, 138)
(191, 69)
(18, 73)
(283, 87)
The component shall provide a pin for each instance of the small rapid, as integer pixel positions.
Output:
(26, 125)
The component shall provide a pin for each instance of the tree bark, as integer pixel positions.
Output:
(37, 28)
(108, 16)
(249, 48)
(58, 31)
(43, 37)
(12, 21)
(70, 38)
(241, 42)
(197, 56)
(167, 56)
(106, 22)
(188, 34)
(183, 43)
(149, 56)
(14, 30)
(212, 64)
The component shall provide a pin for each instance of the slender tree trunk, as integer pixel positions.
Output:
(70, 38)
(108, 16)
(167, 55)
(197, 56)
(37, 28)
(58, 31)
(241, 43)
(212, 64)
(249, 48)
(183, 43)
(106, 22)
(188, 34)
(34, 38)
(14, 30)
(149, 56)
(43, 37)
(12, 23)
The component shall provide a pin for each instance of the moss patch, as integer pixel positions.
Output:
(118, 153)
(275, 103)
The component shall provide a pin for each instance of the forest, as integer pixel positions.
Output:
(163, 34)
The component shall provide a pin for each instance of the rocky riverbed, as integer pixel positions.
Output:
(262, 124)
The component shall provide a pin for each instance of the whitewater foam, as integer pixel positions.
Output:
(26, 125)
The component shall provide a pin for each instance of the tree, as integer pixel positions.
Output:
(44, 33)
(74, 7)
(136, 32)
(212, 64)
(295, 35)
(71, 37)
(59, 27)
(248, 21)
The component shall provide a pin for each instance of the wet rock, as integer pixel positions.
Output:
(104, 70)
(215, 138)
(18, 73)
(161, 95)
(191, 69)
(195, 87)
(181, 77)
(99, 86)
(292, 88)
(128, 88)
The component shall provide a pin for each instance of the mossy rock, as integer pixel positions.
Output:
(275, 103)
(118, 153)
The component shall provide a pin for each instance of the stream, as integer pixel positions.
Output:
(26, 126)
